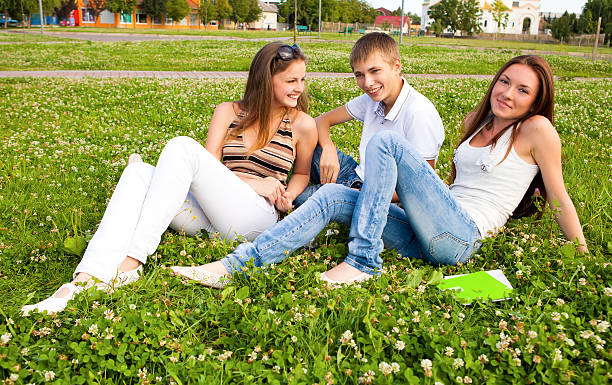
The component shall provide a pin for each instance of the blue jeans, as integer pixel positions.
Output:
(346, 176)
(441, 231)
(430, 226)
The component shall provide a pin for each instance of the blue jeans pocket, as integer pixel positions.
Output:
(447, 249)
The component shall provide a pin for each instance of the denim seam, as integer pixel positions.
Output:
(286, 235)
(362, 268)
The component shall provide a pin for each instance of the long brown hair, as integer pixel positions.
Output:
(258, 96)
(542, 105)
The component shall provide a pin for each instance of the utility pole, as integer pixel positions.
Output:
(42, 29)
(319, 19)
(402, 23)
(596, 40)
(294, 21)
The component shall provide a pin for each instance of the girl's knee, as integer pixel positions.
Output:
(179, 143)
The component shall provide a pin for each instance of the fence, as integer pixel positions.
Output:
(542, 38)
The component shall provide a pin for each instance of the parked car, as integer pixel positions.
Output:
(9, 22)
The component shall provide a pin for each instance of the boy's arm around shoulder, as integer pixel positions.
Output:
(329, 165)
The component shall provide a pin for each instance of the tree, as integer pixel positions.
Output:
(562, 27)
(437, 28)
(153, 8)
(177, 9)
(223, 10)
(414, 18)
(446, 13)
(603, 9)
(584, 24)
(207, 11)
(499, 11)
(245, 11)
(469, 17)
(67, 6)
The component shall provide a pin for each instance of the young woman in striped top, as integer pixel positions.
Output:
(234, 186)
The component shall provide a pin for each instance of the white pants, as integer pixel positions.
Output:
(188, 190)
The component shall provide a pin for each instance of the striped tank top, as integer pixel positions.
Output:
(275, 159)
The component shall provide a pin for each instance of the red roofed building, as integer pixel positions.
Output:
(393, 22)
(383, 11)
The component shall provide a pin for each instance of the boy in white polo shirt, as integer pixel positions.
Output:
(389, 103)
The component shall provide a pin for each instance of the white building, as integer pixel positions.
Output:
(268, 19)
(523, 16)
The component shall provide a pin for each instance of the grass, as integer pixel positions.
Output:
(28, 37)
(212, 56)
(63, 145)
(410, 40)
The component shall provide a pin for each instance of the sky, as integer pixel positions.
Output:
(414, 6)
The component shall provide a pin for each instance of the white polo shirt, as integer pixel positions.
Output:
(413, 116)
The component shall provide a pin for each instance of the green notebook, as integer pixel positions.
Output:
(487, 285)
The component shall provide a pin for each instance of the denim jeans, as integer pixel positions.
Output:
(430, 225)
(346, 176)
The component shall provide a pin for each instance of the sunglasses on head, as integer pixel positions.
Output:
(288, 52)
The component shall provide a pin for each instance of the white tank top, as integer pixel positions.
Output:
(489, 191)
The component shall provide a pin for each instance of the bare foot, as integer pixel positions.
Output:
(344, 273)
(129, 264)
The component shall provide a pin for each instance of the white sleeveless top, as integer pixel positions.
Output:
(489, 191)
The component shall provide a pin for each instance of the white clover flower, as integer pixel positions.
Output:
(458, 363)
(483, 359)
(426, 364)
(400, 345)
(109, 314)
(132, 306)
(582, 281)
(560, 302)
(555, 316)
(467, 380)
(385, 368)
(586, 334)
(5, 338)
(395, 367)
(367, 377)
(346, 336)
(448, 351)
(607, 291)
(183, 253)
(142, 373)
(459, 379)
(602, 326)
(294, 339)
(49, 375)
(593, 362)
(532, 334)
(93, 329)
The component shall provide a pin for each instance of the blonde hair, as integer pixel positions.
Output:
(375, 42)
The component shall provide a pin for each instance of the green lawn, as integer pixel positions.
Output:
(28, 37)
(210, 55)
(409, 40)
(63, 145)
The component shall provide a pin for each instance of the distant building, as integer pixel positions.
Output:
(523, 16)
(383, 11)
(393, 22)
(268, 19)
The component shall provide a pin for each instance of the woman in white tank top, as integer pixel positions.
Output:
(509, 149)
